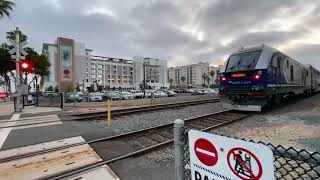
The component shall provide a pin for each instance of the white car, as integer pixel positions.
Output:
(212, 91)
(160, 94)
(125, 95)
(94, 97)
(137, 94)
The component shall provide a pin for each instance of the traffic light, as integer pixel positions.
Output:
(25, 66)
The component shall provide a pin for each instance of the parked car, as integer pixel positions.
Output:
(103, 95)
(160, 94)
(113, 96)
(93, 97)
(80, 93)
(137, 94)
(212, 91)
(148, 94)
(73, 97)
(49, 93)
(198, 92)
(125, 95)
(178, 90)
(171, 93)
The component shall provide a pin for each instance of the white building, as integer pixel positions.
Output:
(153, 71)
(72, 63)
(112, 72)
(68, 60)
(192, 75)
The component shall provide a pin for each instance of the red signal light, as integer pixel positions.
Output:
(25, 65)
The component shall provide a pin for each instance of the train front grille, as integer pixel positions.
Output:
(238, 91)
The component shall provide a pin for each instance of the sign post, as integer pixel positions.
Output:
(220, 158)
(19, 54)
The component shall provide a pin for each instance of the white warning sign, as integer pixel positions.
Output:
(214, 157)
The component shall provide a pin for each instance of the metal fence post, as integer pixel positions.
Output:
(178, 148)
(61, 100)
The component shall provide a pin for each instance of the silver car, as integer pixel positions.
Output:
(94, 97)
(125, 95)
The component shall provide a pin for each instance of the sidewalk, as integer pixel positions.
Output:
(6, 108)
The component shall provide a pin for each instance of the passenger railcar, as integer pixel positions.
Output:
(255, 77)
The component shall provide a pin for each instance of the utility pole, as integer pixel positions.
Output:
(144, 78)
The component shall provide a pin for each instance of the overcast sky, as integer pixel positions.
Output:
(180, 31)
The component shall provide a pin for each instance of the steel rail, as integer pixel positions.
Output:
(119, 112)
(120, 136)
(88, 167)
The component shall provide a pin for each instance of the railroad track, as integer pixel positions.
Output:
(137, 142)
(119, 112)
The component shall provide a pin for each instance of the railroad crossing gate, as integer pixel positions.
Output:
(214, 157)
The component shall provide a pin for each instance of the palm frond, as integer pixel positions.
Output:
(5, 7)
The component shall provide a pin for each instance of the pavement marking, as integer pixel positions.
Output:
(6, 131)
(42, 165)
(42, 146)
(30, 122)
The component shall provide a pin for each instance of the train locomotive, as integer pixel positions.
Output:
(257, 77)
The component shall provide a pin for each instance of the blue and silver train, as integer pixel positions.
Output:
(256, 77)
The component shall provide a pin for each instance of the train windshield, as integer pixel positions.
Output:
(244, 61)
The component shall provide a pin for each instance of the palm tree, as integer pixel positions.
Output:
(5, 8)
(204, 77)
(211, 73)
(183, 79)
(208, 80)
(11, 35)
(171, 81)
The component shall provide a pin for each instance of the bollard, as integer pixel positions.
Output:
(109, 112)
(178, 148)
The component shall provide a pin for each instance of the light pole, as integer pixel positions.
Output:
(144, 79)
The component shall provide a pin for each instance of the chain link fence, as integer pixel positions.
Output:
(289, 163)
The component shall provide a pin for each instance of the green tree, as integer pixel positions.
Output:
(170, 81)
(56, 88)
(40, 63)
(183, 79)
(5, 8)
(50, 88)
(208, 80)
(6, 65)
(78, 85)
(204, 78)
(12, 35)
(212, 73)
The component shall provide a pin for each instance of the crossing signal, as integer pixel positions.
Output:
(25, 66)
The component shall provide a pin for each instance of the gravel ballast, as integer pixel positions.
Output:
(296, 124)
(149, 119)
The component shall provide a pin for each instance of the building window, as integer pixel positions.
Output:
(93, 76)
(287, 63)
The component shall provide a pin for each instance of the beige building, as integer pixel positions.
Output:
(192, 74)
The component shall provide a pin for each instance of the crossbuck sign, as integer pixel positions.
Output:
(214, 157)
